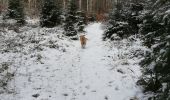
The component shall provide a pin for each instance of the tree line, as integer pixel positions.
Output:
(51, 14)
(32, 8)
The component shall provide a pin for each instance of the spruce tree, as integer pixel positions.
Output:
(72, 11)
(71, 19)
(15, 11)
(50, 14)
(124, 20)
(118, 27)
(81, 21)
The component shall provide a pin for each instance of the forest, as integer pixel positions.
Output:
(126, 57)
(32, 8)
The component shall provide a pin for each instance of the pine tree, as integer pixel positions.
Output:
(51, 14)
(71, 19)
(15, 11)
(81, 21)
(118, 27)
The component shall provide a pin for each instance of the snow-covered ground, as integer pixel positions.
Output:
(61, 70)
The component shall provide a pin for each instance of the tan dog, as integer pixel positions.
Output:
(83, 40)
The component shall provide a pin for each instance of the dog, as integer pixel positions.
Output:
(83, 40)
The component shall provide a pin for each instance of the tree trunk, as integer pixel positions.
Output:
(87, 5)
(80, 4)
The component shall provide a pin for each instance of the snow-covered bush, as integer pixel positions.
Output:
(119, 31)
(123, 21)
(5, 77)
(156, 35)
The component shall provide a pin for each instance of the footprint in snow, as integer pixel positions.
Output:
(81, 81)
(120, 71)
(84, 93)
(35, 95)
(116, 88)
(93, 91)
(110, 83)
(65, 94)
(106, 98)
(87, 87)
(37, 88)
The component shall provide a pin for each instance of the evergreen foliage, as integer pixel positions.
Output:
(81, 21)
(156, 32)
(124, 21)
(71, 19)
(51, 14)
(114, 26)
(15, 11)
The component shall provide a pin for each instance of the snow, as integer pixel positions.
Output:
(168, 11)
(101, 71)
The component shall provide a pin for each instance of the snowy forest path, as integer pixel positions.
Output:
(93, 73)
(97, 80)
